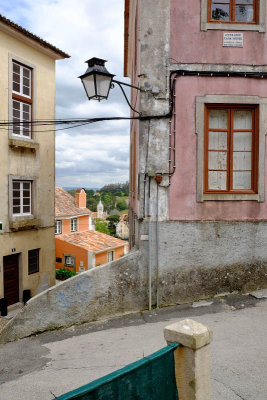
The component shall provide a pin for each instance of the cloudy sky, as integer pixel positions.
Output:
(97, 154)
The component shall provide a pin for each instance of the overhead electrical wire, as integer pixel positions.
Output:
(69, 123)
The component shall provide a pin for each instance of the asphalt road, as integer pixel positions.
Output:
(47, 365)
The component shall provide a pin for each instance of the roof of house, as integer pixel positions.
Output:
(65, 205)
(124, 218)
(30, 35)
(93, 241)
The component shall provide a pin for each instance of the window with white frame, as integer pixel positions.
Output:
(21, 197)
(58, 227)
(21, 100)
(110, 256)
(69, 261)
(74, 224)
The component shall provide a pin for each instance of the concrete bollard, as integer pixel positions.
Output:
(192, 358)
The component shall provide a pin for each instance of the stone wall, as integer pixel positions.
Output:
(203, 258)
(116, 287)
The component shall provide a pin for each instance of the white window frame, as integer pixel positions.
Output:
(260, 27)
(13, 58)
(69, 260)
(58, 227)
(74, 224)
(20, 134)
(21, 183)
(22, 67)
(111, 255)
(200, 117)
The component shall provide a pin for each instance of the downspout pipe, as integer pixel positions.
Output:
(149, 248)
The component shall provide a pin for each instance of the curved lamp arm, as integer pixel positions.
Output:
(123, 91)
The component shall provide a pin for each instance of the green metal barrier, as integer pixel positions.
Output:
(152, 378)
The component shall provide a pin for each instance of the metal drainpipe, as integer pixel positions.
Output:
(149, 248)
(158, 180)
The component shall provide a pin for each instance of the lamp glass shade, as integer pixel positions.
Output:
(102, 85)
(97, 85)
(89, 86)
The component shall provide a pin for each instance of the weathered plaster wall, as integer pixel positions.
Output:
(154, 135)
(28, 164)
(191, 45)
(183, 196)
(113, 288)
(201, 259)
(133, 70)
(37, 165)
(42, 239)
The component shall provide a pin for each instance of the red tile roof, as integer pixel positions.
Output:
(30, 35)
(93, 241)
(65, 205)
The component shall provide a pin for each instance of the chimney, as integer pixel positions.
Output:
(80, 198)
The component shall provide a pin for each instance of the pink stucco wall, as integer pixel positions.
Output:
(183, 204)
(191, 45)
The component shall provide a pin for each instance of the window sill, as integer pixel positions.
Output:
(205, 26)
(20, 144)
(231, 197)
(24, 224)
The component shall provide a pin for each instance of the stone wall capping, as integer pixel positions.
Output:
(188, 333)
(192, 358)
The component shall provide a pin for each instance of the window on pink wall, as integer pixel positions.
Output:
(233, 11)
(231, 149)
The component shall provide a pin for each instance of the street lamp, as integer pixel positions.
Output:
(97, 81)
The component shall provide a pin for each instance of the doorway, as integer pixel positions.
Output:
(11, 278)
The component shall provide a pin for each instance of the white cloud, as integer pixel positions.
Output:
(96, 154)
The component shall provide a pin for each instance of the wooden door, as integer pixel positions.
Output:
(11, 278)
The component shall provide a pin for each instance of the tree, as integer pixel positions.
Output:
(121, 188)
(102, 226)
(91, 203)
(113, 220)
(121, 205)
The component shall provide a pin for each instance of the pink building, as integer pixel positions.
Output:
(198, 171)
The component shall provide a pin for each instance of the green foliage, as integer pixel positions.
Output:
(72, 192)
(118, 189)
(91, 203)
(113, 220)
(113, 196)
(101, 226)
(121, 205)
(108, 201)
(63, 274)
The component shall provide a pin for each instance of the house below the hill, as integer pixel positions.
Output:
(78, 246)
